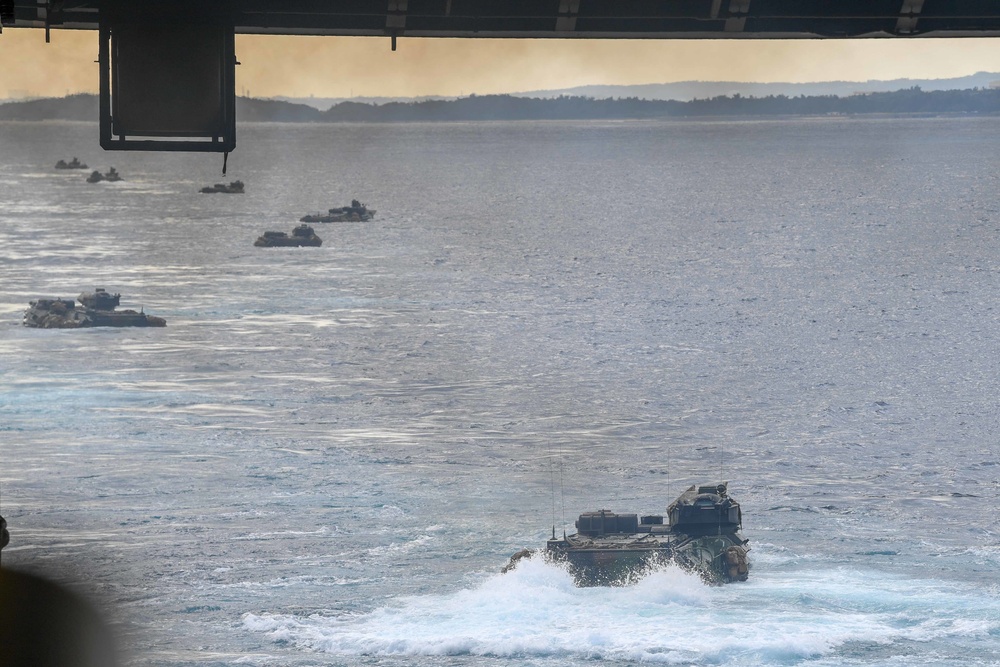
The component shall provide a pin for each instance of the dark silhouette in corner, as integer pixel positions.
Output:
(43, 624)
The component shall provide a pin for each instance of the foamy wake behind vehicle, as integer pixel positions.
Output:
(701, 535)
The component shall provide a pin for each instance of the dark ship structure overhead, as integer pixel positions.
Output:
(303, 235)
(97, 309)
(356, 212)
(676, 19)
(701, 535)
(161, 101)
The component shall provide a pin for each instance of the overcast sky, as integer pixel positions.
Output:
(365, 66)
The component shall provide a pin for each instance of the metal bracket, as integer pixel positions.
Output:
(737, 19)
(906, 24)
(395, 19)
(167, 85)
(6, 13)
(568, 11)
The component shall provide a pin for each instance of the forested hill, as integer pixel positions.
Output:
(71, 107)
(507, 107)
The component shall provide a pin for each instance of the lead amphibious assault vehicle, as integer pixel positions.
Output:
(701, 535)
(98, 310)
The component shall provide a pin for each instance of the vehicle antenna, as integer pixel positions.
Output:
(562, 495)
(668, 468)
(552, 488)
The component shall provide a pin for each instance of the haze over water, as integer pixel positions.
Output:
(328, 454)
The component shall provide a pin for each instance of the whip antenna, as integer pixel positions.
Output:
(668, 468)
(562, 495)
(552, 488)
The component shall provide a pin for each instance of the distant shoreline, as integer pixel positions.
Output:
(665, 119)
(908, 103)
(775, 118)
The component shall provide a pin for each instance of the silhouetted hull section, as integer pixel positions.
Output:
(72, 164)
(124, 318)
(288, 242)
(718, 559)
(338, 217)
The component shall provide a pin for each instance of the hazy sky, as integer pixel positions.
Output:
(365, 66)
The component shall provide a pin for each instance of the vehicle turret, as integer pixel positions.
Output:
(705, 510)
(99, 299)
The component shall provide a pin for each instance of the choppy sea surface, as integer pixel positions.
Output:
(328, 454)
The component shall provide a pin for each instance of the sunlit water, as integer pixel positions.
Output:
(328, 454)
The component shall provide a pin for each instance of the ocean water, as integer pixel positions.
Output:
(328, 454)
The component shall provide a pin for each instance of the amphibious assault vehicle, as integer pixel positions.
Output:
(303, 235)
(234, 188)
(356, 212)
(72, 164)
(111, 176)
(98, 310)
(701, 535)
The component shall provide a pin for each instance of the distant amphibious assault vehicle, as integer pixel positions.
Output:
(303, 235)
(72, 164)
(111, 176)
(234, 188)
(702, 535)
(98, 311)
(356, 212)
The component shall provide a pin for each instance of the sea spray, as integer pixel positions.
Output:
(668, 616)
